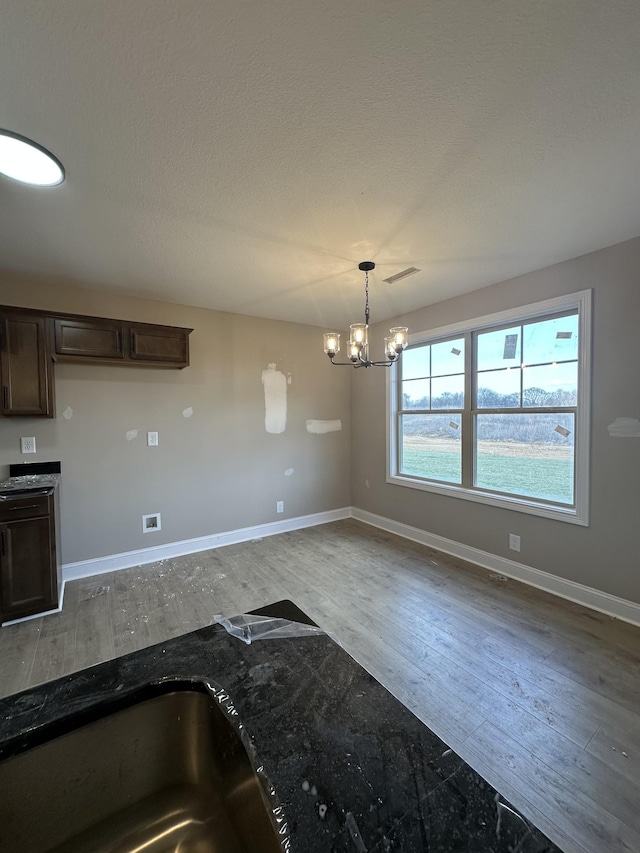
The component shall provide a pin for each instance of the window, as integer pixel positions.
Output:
(496, 410)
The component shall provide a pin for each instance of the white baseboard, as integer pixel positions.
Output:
(620, 608)
(128, 559)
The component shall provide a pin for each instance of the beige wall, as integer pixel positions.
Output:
(218, 470)
(606, 555)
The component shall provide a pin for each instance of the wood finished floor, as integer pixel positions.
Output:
(539, 695)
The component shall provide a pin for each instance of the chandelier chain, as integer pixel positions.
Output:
(366, 297)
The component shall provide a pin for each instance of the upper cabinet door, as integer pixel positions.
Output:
(160, 344)
(26, 367)
(91, 339)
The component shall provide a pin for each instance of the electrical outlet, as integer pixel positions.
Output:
(152, 439)
(514, 542)
(28, 445)
(280, 506)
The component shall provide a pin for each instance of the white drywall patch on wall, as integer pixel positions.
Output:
(321, 427)
(288, 472)
(275, 400)
(131, 434)
(625, 428)
(68, 413)
(186, 413)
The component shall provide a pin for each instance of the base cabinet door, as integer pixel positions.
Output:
(28, 581)
(26, 367)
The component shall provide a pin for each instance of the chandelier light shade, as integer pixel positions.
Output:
(358, 345)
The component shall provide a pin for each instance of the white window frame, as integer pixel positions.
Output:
(577, 514)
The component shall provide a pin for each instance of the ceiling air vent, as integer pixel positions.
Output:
(402, 274)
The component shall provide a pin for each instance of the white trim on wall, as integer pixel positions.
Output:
(128, 559)
(612, 605)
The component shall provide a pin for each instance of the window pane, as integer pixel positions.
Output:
(499, 349)
(415, 394)
(550, 340)
(551, 385)
(526, 454)
(447, 357)
(415, 362)
(447, 392)
(431, 447)
(499, 389)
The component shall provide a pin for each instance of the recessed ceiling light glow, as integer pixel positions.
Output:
(26, 161)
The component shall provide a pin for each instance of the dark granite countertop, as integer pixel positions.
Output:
(328, 734)
(15, 487)
(30, 477)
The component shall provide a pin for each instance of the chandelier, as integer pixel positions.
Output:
(358, 346)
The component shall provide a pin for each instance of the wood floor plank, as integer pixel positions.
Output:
(481, 683)
(457, 637)
(56, 651)
(612, 672)
(619, 747)
(94, 628)
(563, 804)
(18, 645)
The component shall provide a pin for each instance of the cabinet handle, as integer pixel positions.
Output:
(22, 506)
(5, 397)
(3, 546)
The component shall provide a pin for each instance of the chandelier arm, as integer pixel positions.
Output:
(361, 363)
(342, 363)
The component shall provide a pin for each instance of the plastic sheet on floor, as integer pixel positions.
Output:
(248, 627)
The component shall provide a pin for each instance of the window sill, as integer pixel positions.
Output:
(570, 515)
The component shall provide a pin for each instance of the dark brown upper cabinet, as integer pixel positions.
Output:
(89, 338)
(30, 342)
(95, 339)
(160, 344)
(25, 366)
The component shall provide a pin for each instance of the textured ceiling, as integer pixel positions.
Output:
(246, 156)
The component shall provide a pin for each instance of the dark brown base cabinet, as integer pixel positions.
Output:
(30, 569)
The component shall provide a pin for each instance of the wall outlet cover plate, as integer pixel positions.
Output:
(28, 444)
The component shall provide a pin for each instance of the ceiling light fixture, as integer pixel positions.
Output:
(23, 160)
(358, 346)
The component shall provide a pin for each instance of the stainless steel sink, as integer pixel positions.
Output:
(166, 774)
